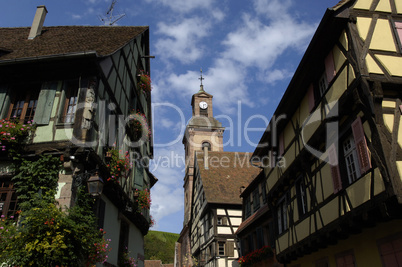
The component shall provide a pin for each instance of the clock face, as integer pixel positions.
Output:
(203, 105)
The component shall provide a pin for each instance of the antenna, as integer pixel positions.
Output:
(109, 20)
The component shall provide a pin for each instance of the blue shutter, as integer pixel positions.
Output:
(45, 103)
(3, 95)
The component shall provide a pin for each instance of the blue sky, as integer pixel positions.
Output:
(248, 51)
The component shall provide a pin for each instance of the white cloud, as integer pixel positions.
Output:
(272, 76)
(180, 40)
(257, 44)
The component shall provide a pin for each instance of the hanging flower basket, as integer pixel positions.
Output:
(119, 165)
(139, 125)
(143, 199)
(144, 82)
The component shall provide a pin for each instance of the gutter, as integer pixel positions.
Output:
(57, 56)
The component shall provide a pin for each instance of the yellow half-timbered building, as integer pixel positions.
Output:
(332, 153)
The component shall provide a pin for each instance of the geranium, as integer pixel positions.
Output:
(127, 261)
(139, 124)
(256, 256)
(13, 134)
(143, 199)
(118, 165)
(100, 250)
(145, 82)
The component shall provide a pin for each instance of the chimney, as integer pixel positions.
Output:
(37, 24)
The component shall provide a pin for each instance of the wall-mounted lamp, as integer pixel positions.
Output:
(93, 180)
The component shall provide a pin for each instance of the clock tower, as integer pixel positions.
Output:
(203, 132)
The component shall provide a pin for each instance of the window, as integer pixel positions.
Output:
(256, 199)
(70, 102)
(322, 263)
(8, 198)
(301, 196)
(345, 259)
(247, 207)
(264, 191)
(391, 250)
(351, 161)
(355, 153)
(322, 84)
(221, 248)
(23, 105)
(282, 215)
(207, 145)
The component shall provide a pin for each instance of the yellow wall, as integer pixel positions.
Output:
(363, 245)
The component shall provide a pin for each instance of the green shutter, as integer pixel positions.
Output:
(45, 103)
(3, 95)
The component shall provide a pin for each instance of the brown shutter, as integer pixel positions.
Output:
(361, 145)
(310, 96)
(330, 67)
(335, 173)
(398, 26)
(229, 249)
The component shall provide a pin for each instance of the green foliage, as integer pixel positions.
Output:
(45, 235)
(160, 246)
(33, 177)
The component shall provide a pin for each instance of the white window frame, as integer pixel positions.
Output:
(351, 159)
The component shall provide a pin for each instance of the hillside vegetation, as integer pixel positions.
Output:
(160, 246)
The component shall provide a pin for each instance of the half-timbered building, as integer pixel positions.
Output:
(332, 152)
(217, 206)
(79, 86)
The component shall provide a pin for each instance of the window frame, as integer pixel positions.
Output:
(221, 248)
(69, 90)
(351, 153)
(301, 193)
(26, 95)
(9, 192)
(282, 215)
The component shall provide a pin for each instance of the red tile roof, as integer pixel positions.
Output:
(65, 40)
(226, 173)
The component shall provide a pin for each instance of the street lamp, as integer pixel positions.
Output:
(95, 185)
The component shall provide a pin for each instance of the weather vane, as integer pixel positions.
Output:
(110, 19)
(201, 77)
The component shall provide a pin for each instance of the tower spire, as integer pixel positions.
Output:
(201, 78)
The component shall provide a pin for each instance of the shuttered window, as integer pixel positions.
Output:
(351, 161)
(45, 103)
(23, 105)
(335, 173)
(3, 97)
(70, 102)
(282, 217)
(330, 67)
(391, 252)
(361, 146)
(230, 246)
(345, 259)
(8, 198)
